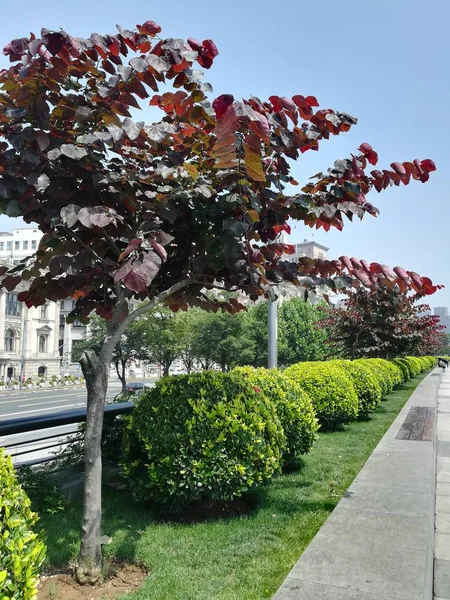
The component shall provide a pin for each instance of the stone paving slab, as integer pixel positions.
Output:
(378, 543)
(442, 507)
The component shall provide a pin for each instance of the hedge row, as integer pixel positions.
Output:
(211, 436)
(22, 551)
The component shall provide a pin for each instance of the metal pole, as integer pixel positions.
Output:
(272, 350)
(22, 360)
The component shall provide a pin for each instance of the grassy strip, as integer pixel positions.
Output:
(244, 558)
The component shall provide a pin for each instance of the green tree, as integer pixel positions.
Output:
(300, 337)
(223, 339)
(163, 332)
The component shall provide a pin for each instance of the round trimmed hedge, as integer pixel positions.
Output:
(202, 437)
(366, 385)
(403, 365)
(380, 374)
(22, 551)
(414, 364)
(294, 409)
(331, 390)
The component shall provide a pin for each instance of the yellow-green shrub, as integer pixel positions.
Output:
(366, 385)
(414, 364)
(380, 374)
(202, 437)
(294, 409)
(331, 390)
(22, 551)
(403, 365)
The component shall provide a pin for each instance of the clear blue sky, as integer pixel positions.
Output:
(383, 61)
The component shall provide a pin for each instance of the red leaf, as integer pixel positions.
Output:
(10, 282)
(160, 250)
(399, 169)
(194, 44)
(428, 165)
(221, 104)
(132, 246)
(312, 101)
(149, 28)
(346, 262)
(138, 278)
(210, 48)
(369, 153)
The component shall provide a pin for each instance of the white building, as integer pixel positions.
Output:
(310, 249)
(29, 344)
(444, 318)
(15, 246)
(18, 244)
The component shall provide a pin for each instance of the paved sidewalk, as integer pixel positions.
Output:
(442, 522)
(378, 543)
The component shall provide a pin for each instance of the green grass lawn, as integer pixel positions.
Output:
(244, 558)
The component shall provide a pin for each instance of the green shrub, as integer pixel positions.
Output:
(200, 438)
(404, 361)
(366, 385)
(380, 374)
(395, 373)
(403, 366)
(330, 389)
(294, 409)
(22, 552)
(414, 364)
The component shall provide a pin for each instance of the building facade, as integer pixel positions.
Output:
(29, 344)
(310, 249)
(37, 349)
(442, 313)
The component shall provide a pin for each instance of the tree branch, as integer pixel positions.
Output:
(112, 244)
(80, 241)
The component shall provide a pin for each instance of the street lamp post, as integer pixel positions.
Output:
(272, 350)
(22, 358)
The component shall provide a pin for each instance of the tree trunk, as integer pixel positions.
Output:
(124, 379)
(89, 566)
(166, 369)
(121, 376)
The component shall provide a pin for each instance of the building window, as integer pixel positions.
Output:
(12, 305)
(44, 311)
(42, 371)
(42, 344)
(61, 304)
(2, 245)
(62, 321)
(74, 303)
(10, 340)
(9, 245)
(34, 245)
(16, 245)
(78, 324)
(25, 244)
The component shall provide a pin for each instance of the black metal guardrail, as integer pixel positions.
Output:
(58, 419)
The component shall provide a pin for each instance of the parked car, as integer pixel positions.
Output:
(136, 388)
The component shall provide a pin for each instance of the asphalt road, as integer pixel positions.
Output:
(36, 402)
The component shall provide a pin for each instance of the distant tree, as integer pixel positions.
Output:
(382, 323)
(224, 340)
(300, 338)
(131, 347)
(162, 332)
